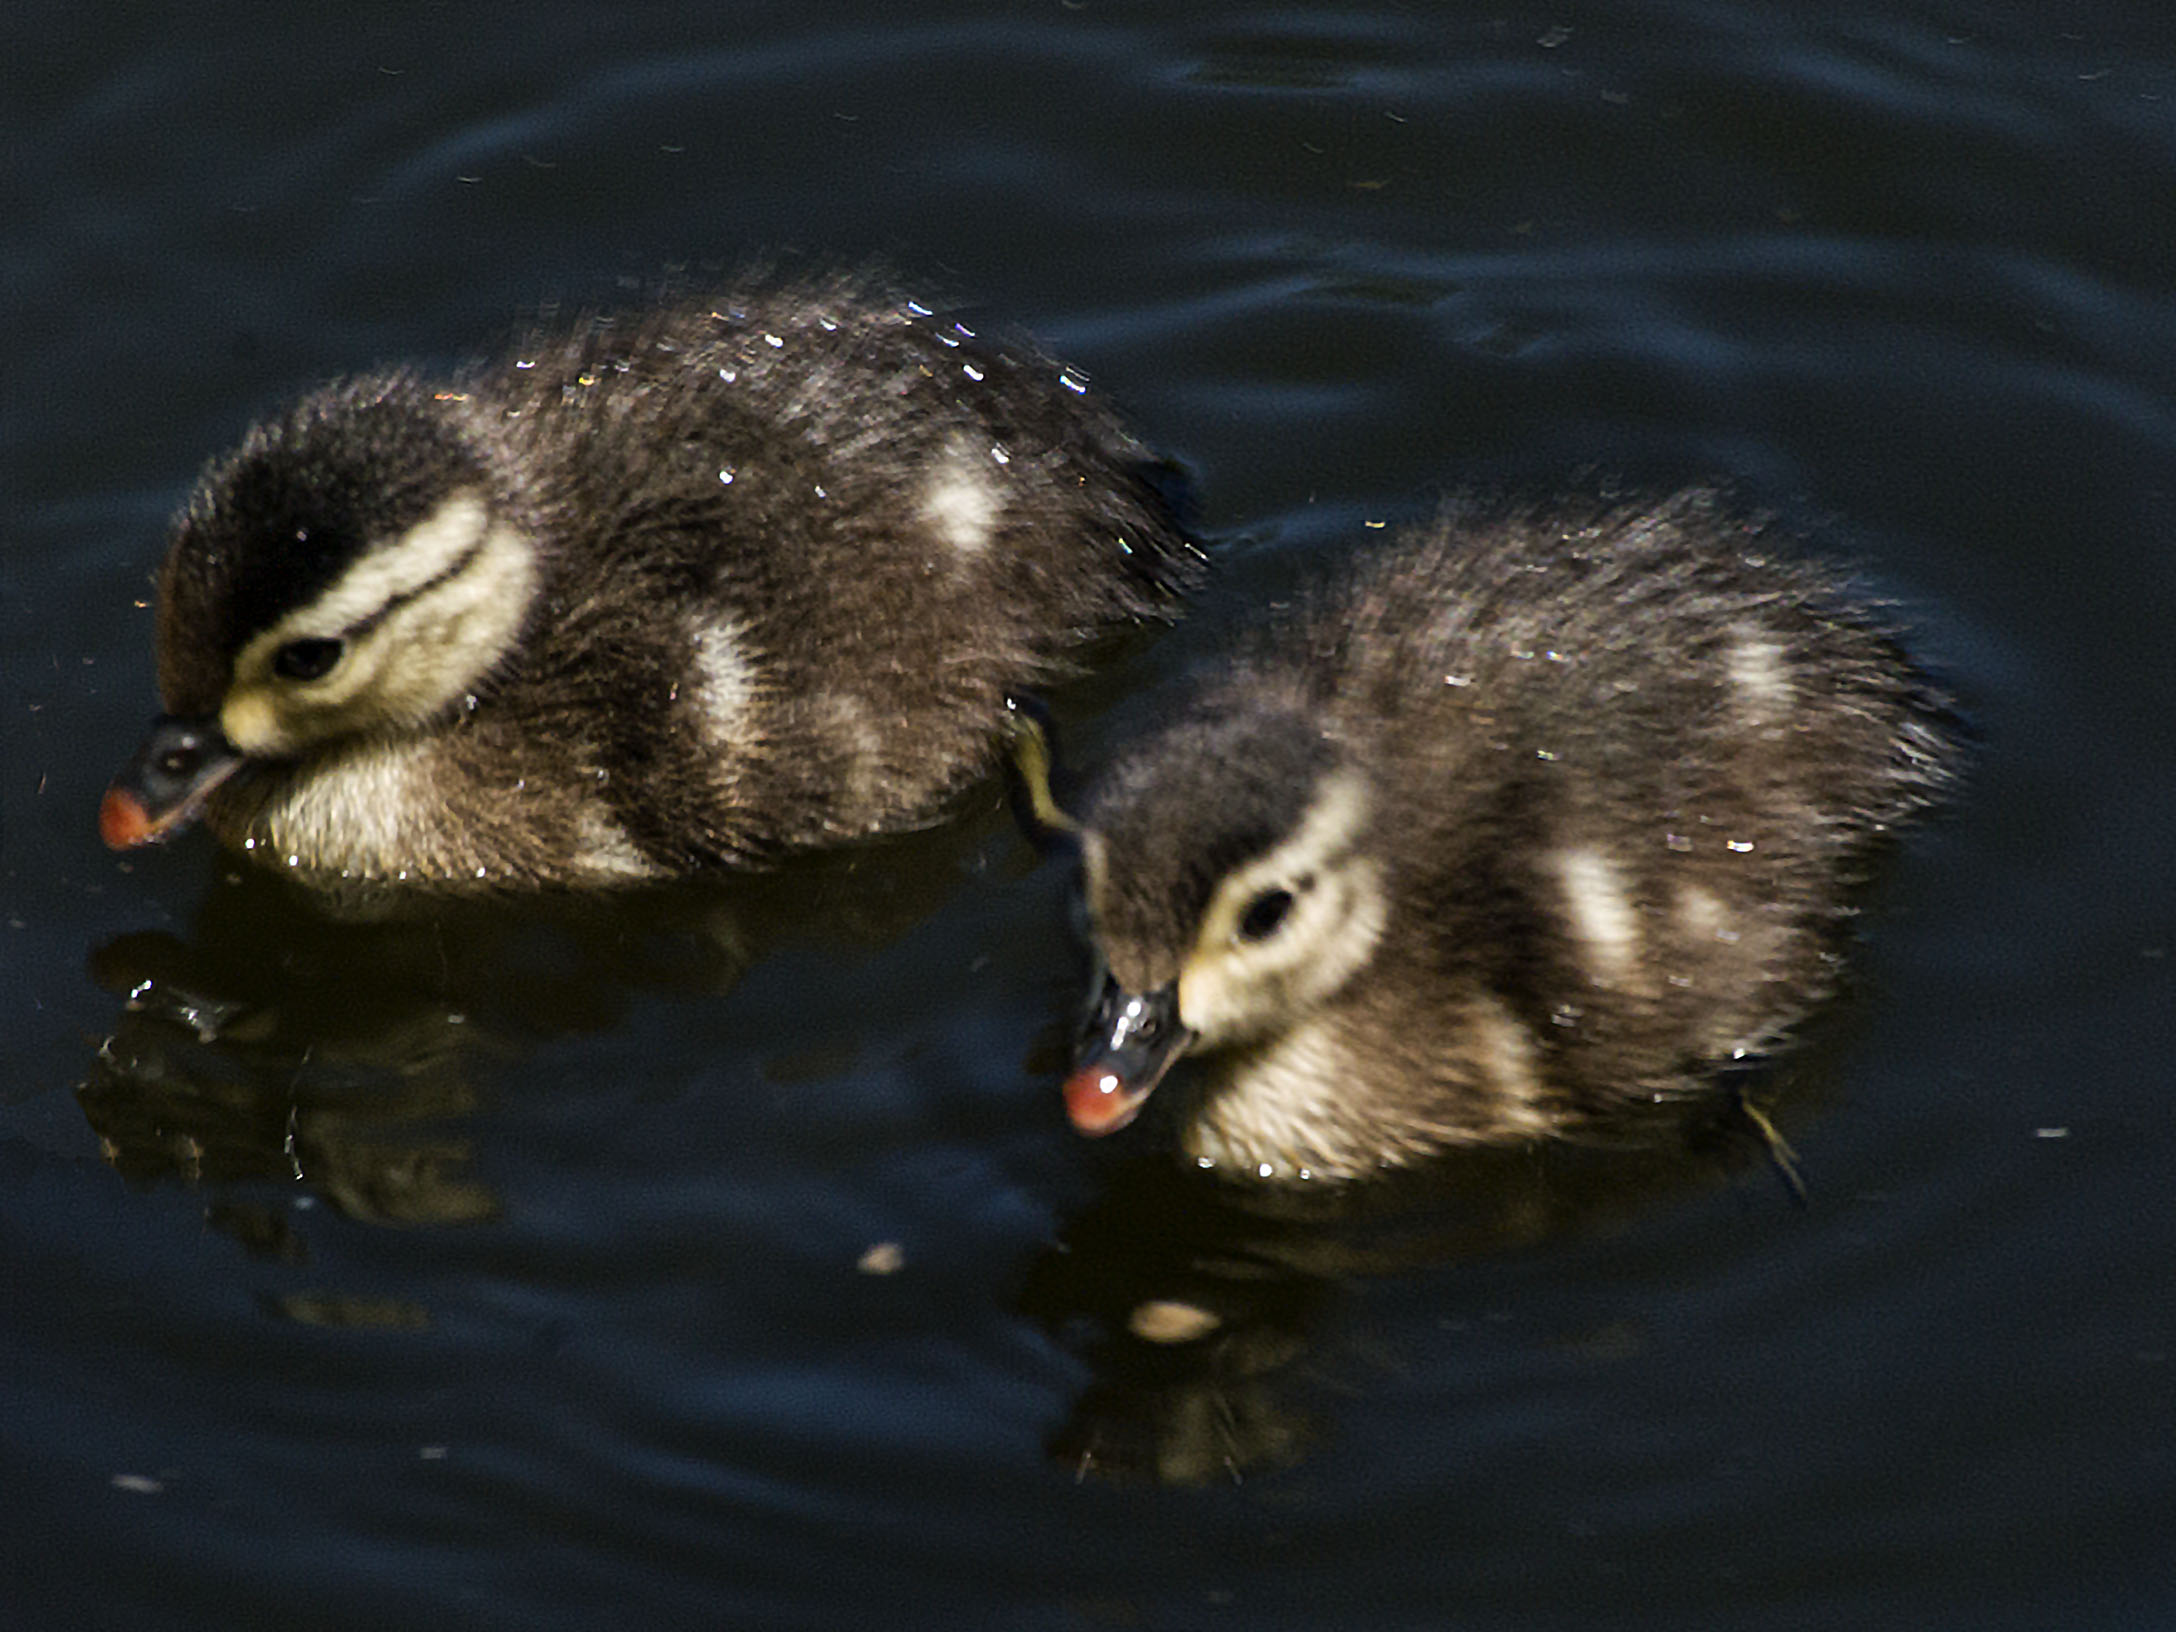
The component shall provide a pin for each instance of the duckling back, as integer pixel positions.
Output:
(1524, 816)
(705, 584)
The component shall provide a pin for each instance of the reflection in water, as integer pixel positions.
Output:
(342, 1045)
(1195, 1300)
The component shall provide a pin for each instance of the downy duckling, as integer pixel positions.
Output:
(1527, 816)
(697, 586)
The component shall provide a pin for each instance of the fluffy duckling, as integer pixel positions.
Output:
(697, 586)
(1526, 816)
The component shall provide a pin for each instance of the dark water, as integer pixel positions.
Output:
(508, 1270)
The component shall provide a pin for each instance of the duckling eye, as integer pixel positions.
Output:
(307, 659)
(1264, 913)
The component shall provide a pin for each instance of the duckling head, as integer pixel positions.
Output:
(1230, 889)
(354, 567)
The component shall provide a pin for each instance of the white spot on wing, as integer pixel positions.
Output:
(1700, 912)
(606, 852)
(849, 727)
(1504, 1050)
(1756, 666)
(725, 683)
(961, 503)
(1601, 913)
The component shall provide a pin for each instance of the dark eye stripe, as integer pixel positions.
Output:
(313, 657)
(452, 569)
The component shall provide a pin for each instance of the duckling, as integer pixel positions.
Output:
(698, 586)
(1528, 816)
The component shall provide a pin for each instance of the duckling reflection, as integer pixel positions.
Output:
(715, 583)
(1211, 1314)
(283, 1049)
(1529, 816)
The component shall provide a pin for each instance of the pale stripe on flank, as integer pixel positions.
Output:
(962, 502)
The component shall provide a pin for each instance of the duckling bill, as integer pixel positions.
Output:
(1133, 1038)
(694, 586)
(181, 764)
(1524, 817)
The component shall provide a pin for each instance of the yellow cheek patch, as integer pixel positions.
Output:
(422, 618)
(1231, 987)
(251, 720)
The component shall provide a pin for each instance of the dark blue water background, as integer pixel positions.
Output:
(508, 1270)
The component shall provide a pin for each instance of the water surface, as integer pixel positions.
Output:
(512, 1269)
